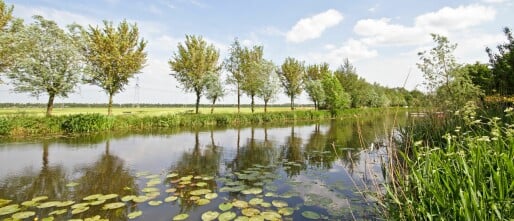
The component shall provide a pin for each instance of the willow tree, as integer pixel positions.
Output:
(233, 65)
(9, 25)
(193, 63)
(50, 62)
(271, 83)
(114, 55)
(313, 85)
(214, 89)
(252, 72)
(291, 76)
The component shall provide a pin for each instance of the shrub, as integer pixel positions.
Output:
(5, 126)
(86, 123)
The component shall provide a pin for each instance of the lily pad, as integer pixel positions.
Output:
(79, 205)
(140, 199)
(149, 189)
(207, 178)
(227, 216)
(211, 196)
(79, 210)
(171, 190)
(58, 212)
(29, 203)
(50, 218)
(201, 184)
(113, 206)
(265, 204)
(170, 199)
(181, 216)
(66, 203)
(252, 191)
(225, 206)
(96, 202)
(9, 209)
(152, 195)
(279, 203)
(153, 176)
(256, 218)
(250, 212)
(270, 215)
(48, 204)
(108, 196)
(72, 184)
(210, 215)
(171, 175)
(255, 201)
(153, 182)
(6, 201)
(186, 178)
(194, 198)
(310, 215)
(23, 215)
(92, 197)
(200, 192)
(155, 203)
(135, 214)
(286, 211)
(240, 204)
(36, 199)
(202, 202)
(242, 218)
(127, 198)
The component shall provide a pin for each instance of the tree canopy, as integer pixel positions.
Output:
(502, 64)
(194, 61)
(291, 76)
(114, 55)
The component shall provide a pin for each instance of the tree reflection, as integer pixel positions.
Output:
(292, 152)
(253, 152)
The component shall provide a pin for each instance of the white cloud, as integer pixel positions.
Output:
(62, 18)
(312, 27)
(494, 1)
(382, 32)
(374, 8)
(461, 17)
(352, 49)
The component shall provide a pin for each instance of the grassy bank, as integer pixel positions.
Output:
(33, 125)
(459, 167)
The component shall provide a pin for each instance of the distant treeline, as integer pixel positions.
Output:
(131, 105)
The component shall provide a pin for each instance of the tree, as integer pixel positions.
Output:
(213, 89)
(114, 55)
(252, 70)
(335, 96)
(233, 65)
(357, 87)
(50, 63)
(481, 76)
(312, 83)
(194, 61)
(271, 83)
(9, 25)
(291, 76)
(452, 87)
(502, 64)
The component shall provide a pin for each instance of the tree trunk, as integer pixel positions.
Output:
(265, 106)
(212, 106)
(238, 100)
(198, 94)
(50, 104)
(109, 108)
(292, 102)
(45, 154)
(315, 105)
(253, 103)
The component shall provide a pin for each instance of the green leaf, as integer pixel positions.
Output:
(270, 215)
(181, 216)
(135, 214)
(170, 199)
(113, 206)
(72, 184)
(48, 204)
(58, 212)
(202, 202)
(227, 216)
(211, 196)
(250, 212)
(240, 204)
(23, 215)
(79, 210)
(155, 203)
(9, 209)
(286, 211)
(310, 215)
(210, 215)
(279, 203)
(225, 206)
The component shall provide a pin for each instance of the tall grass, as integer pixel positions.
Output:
(456, 168)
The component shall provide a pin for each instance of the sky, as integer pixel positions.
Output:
(381, 38)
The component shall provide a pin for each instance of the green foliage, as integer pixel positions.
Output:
(50, 62)
(502, 65)
(9, 25)
(114, 55)
(5, 15)
(86, 123)
(481, 76)
(253, 70)
(357, 87)
(270, 85)
(193, 63)
(312, 82)
(214, 89)
(467, 176)
(335, 97)
(291, 76)
(233, 65)
(5, 126)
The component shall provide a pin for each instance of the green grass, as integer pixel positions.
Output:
(465, 174)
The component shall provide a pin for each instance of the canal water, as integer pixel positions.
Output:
(329, 170)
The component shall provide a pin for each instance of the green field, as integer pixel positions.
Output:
(144, 111)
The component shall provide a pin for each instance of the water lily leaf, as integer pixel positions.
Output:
(270, 194)
(155, 203)
(113, 206)
(240, 204)
(153, 176)
(197, 177)
(50, 218)
(265, 204)
(227, 216)
(153, 182)
(96, 202)
(270, 215)
(152, 195)
(200, 192)
(201, 184)
(140, 199)
(72, 184)
(202, 202)
(108, 196)
(186, 178)
(150, 189)
(9, 209)
(242, 218)
(171, 190)
(225, 206)
(79, 210)
(310, 215)
(210, 215)
(279, 203)
(29, 203)
(23, 215)
(92, 197)
(135, 214)
(211, 196)
(95, 218)
(170, 199)
(252, 191)
(187, 182)
(250, 212)
(181, 216)
(128, 198)
(286, 211)
(79, 205)
(208, 178)
(256, 218)
(6, 201)
(48, 204)
(58, 212)
(35, 199)
(66, 203)
(171, 175)
(255, 201)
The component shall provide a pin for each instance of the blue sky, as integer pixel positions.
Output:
(381, 38)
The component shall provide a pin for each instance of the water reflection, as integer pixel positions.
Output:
(311, 164)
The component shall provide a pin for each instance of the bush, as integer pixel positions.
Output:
(86, 123)
(5, 126)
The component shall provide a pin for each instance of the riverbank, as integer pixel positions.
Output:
(37, 126)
